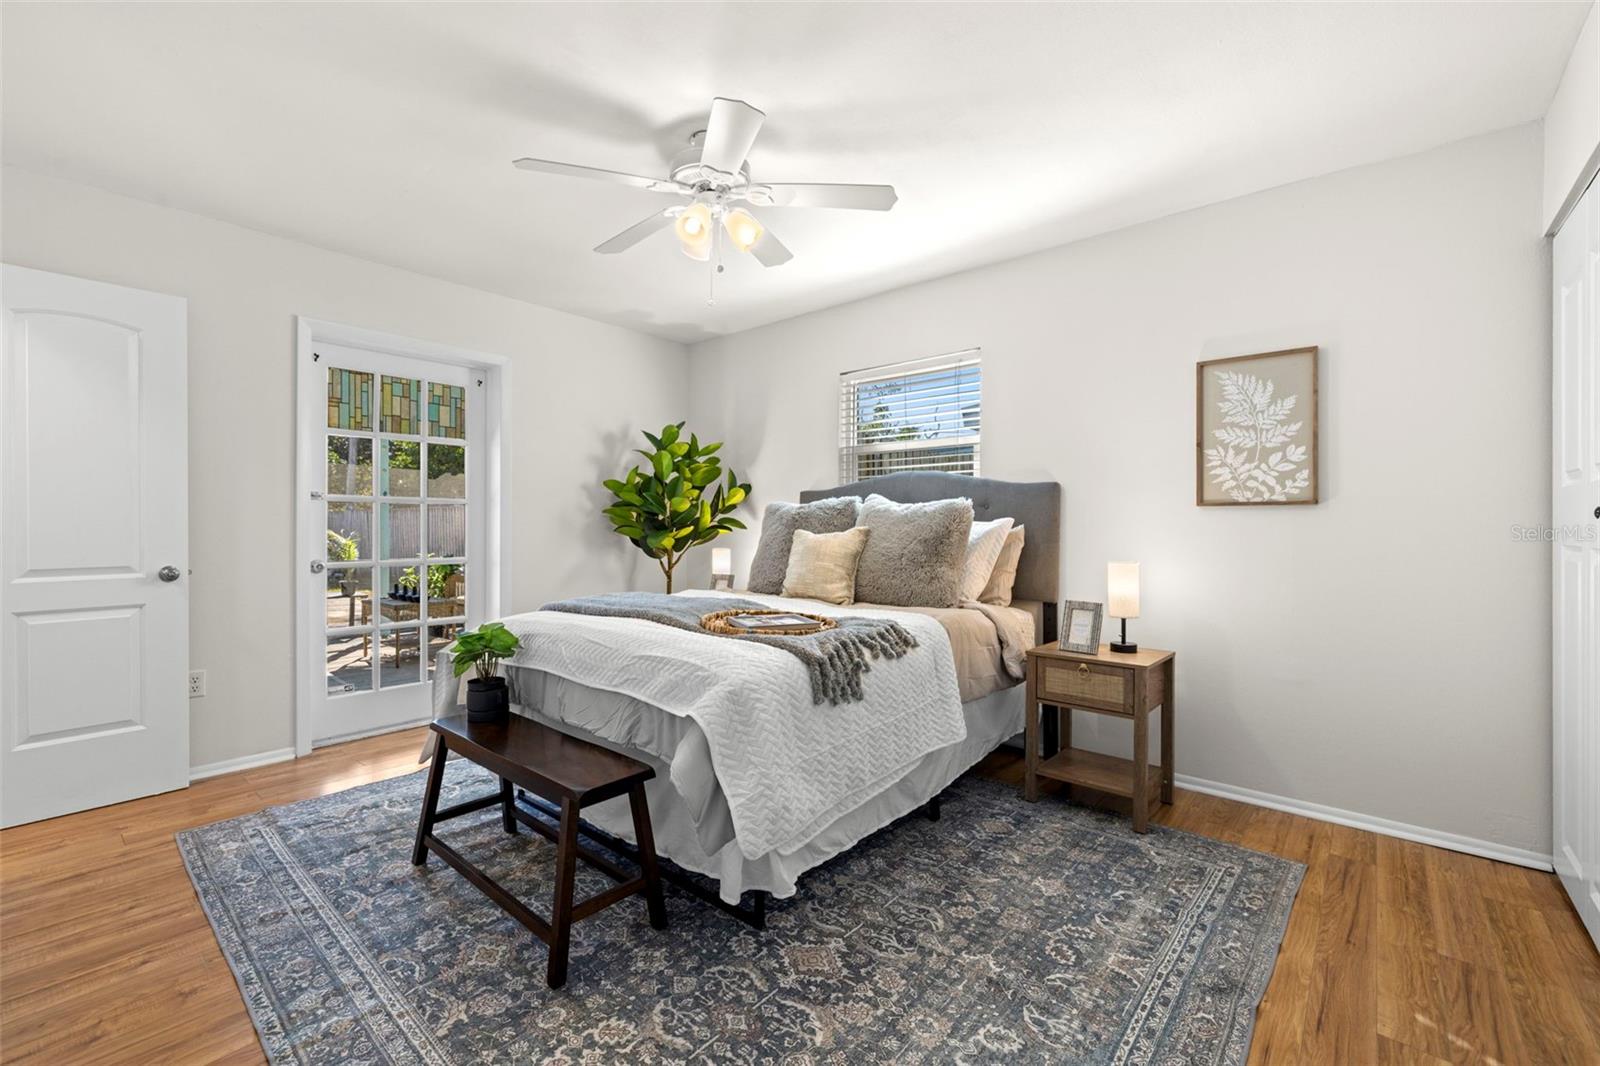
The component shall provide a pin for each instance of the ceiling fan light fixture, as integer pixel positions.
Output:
(743, 228)
(693, 226)
(699, 251)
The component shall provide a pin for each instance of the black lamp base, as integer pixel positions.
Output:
(1123, 646)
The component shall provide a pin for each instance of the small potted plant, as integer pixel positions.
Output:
(482, 649)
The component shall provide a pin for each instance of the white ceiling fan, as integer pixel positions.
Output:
(713, 175)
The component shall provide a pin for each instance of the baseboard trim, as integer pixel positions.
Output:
(1450, 841)
(244, 762)
(1419, 834)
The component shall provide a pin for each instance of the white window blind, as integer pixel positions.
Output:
(920, 415)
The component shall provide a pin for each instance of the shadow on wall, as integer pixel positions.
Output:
(614, 563)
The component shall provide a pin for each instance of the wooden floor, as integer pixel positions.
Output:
(1396, 952)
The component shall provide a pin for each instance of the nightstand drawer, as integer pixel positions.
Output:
(1086, 685)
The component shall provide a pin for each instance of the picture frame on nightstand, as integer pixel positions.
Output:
(1080, 626)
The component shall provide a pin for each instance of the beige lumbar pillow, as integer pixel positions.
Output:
(822, 566)
(1004, 576)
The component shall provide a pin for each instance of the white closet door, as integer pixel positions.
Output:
(1575, 517)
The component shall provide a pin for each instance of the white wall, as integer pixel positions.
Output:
(1572, 126)
(583, 389)
(1385, 652)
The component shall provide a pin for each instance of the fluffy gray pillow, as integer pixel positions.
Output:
(778, 524)
(915, 554)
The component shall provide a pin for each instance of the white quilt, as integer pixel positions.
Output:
(787, 767)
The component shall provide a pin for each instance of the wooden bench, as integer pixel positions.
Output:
(562, 770)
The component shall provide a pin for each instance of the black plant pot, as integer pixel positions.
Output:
(487, 699)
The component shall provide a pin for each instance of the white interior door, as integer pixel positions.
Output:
(396, 529)
(95, 551)
(1575, 502)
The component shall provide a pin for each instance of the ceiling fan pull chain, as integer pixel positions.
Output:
(716, 266)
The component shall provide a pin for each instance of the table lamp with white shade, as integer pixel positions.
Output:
(1122, 600)
(722, 568)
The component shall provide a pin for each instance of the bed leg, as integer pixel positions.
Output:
(758, 910)
(933, 809)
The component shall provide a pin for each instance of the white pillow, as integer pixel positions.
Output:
(984, 544)
(1004, 579)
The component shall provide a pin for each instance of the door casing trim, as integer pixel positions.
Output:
(309, 390)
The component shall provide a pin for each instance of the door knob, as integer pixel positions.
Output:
(169, 573)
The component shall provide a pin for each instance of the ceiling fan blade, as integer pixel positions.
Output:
(572, 170)
(730, 133)
(635, 233)
(858, 197)
(769, 251)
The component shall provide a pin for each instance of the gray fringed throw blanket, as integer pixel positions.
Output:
(835, 659)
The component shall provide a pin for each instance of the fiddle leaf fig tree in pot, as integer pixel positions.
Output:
(678, 499)
(481, 650)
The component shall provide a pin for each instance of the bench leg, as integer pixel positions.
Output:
(508, 803)
(430, 801)
(561, 911)
(647, 856)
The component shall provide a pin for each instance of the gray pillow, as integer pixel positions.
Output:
(778, 524)
(915, 554)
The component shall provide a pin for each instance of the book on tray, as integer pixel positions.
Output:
(760, 623)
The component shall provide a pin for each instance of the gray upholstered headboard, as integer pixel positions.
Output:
(1035, 504)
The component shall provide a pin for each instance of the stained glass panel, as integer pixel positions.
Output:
(447, 410)
(397, 412)
(349, 399)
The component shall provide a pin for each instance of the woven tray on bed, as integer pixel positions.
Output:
(716, 622)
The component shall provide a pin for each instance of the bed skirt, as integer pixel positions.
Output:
(990, 722)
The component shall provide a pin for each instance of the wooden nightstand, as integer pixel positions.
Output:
(1123, 686)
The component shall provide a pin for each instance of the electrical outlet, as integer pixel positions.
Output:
(197, 683)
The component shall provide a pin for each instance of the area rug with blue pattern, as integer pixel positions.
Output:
(1006, 931)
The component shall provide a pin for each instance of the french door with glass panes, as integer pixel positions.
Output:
(402, 501)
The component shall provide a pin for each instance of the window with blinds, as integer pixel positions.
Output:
(920, 415)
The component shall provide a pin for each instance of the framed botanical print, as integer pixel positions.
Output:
(1256, 429)
(1080, 627)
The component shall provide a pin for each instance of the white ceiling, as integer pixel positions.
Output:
(387, 131)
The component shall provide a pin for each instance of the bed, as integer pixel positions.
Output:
(601, 690)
